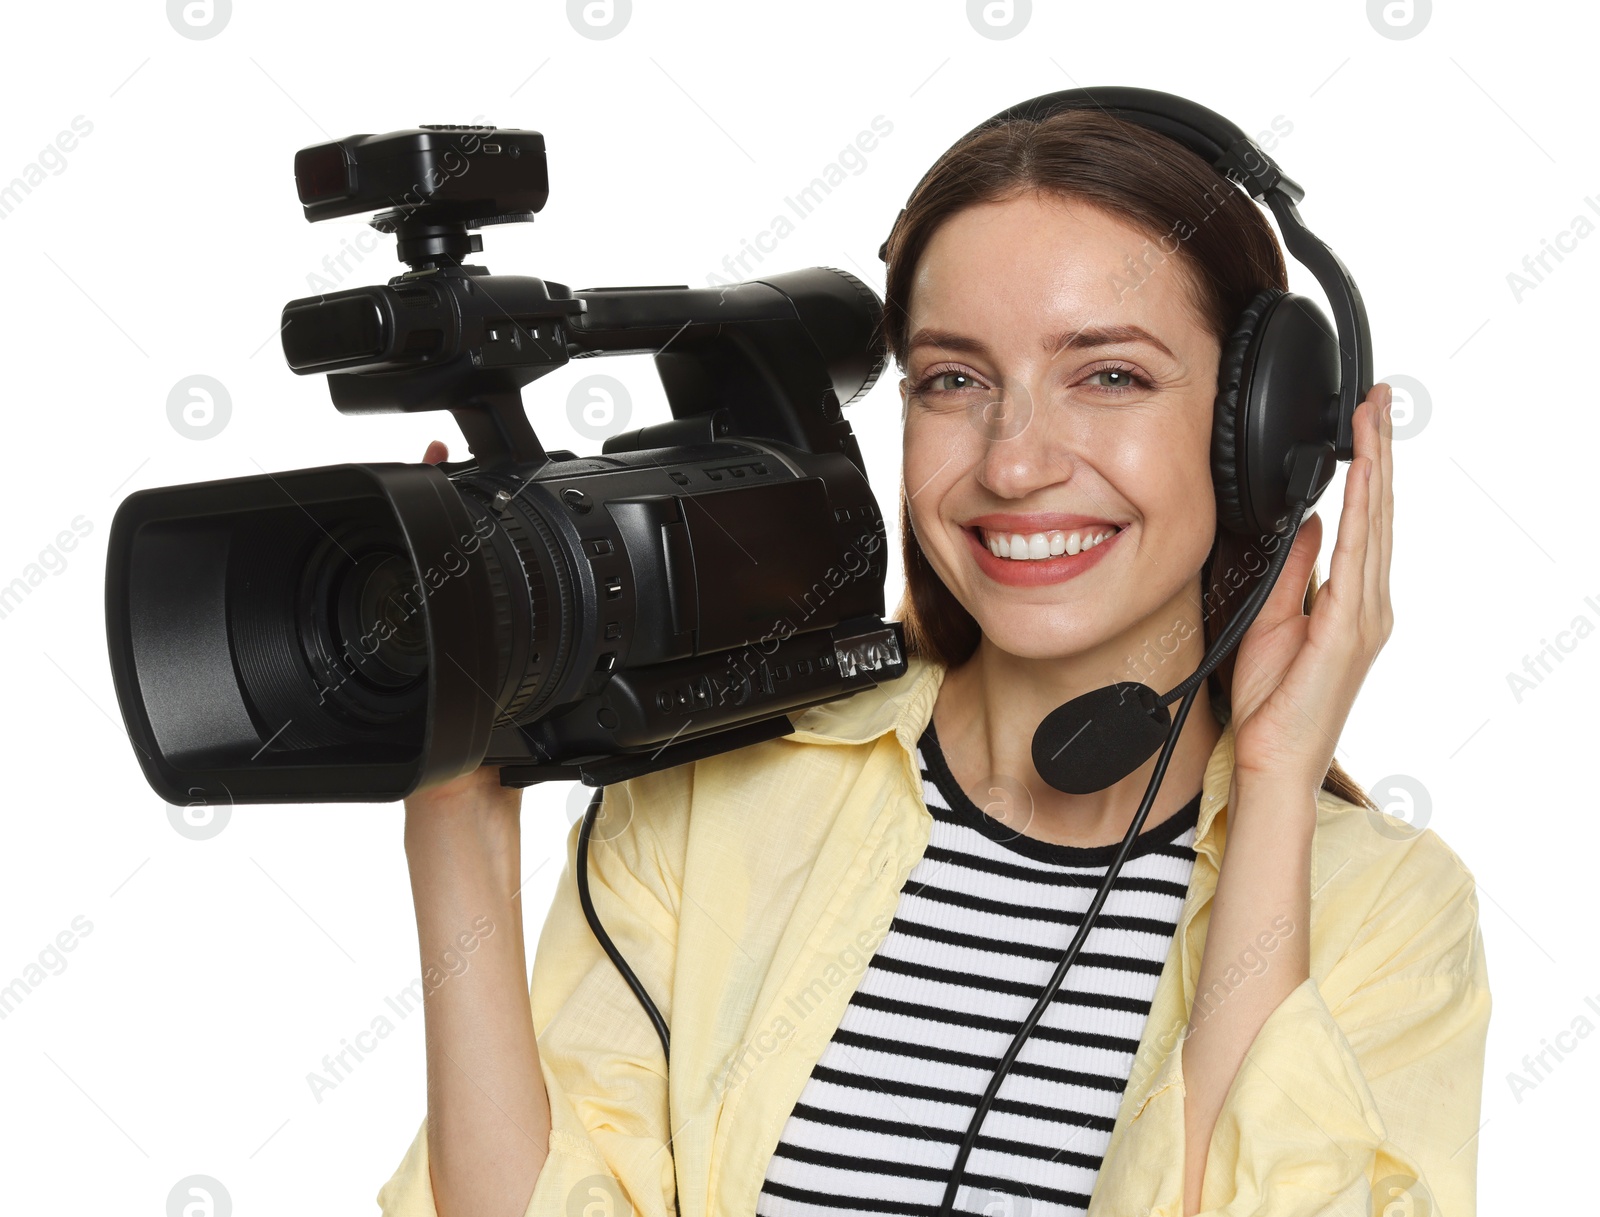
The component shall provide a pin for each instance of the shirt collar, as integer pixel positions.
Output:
(905, 705)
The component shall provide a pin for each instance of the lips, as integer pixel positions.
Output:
(1033, 546)
(1034, 572)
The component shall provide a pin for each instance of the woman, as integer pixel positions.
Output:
(1284, 1014)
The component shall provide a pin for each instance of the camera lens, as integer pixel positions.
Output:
(360, 624)
(378, 609)
(321, 634)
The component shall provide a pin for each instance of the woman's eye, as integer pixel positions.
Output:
(947, 382)
(1116, 379)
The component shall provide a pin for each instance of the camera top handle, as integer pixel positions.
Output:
(775, 358)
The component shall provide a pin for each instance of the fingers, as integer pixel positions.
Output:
(1358, 582)
(1386, 456)
(437, 451)
(1372, 560)
(1375, 577)
(1347, 571)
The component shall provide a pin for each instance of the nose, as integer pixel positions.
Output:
(1020, 454)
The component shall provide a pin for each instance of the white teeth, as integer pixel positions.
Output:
(1042, 544)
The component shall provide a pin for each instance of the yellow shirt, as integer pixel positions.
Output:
(749, 890)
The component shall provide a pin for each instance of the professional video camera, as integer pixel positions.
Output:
(354, 632)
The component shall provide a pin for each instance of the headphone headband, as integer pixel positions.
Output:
(1207, 134)
(1223, 146)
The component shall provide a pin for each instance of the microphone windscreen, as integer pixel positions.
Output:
(1096, 740)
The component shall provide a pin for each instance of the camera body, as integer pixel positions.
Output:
(353, 632)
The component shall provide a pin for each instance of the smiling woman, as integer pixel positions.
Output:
(847, 933)
(1066, 403)
(1101, 190)
(1088, 365)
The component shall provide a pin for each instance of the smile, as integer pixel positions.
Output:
(1036, 558)
(1028, 547)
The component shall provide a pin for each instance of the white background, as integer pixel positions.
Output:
(218, 973)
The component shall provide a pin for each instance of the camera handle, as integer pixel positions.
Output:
(775, 358)
(498, 431)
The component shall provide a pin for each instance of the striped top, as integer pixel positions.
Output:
(983, 920)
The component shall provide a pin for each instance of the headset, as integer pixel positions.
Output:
(1288, 386)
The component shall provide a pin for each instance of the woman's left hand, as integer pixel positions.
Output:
(1296, 675)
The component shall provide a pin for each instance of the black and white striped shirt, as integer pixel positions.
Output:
(982, 922)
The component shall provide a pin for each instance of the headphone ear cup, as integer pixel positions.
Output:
(1277, 395)
(1228, 423)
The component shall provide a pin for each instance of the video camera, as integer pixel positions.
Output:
(355, 632)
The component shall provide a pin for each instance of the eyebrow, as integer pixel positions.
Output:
(1089, 336)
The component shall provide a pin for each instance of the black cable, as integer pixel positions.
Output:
(947, 1206)
(600, 934)
(610, 948)
(1187, 691)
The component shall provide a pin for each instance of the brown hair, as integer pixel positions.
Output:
(1158, 187)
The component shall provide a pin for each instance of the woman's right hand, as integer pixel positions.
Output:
(475, 796)
(488, 1110)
